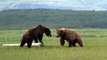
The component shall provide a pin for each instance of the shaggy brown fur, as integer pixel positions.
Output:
(70, 36)
(35, 33)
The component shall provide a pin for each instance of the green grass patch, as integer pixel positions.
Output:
(95, 46)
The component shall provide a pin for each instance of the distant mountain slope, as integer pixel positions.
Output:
(54, 4)
(22, 19)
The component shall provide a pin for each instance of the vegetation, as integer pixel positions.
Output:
(24, 19)
(95, 40)
(95, 46)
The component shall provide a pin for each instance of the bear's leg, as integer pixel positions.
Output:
(40, 39)
(80, 43)
(70, 43)
(22, 43)
(36, 41)
(74, 43)
(29, 43)
(62, 41)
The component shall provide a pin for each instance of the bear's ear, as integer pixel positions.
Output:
(63, 31)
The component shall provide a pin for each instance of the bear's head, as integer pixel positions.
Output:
(47, 32)
(60, 32)
(43, 29)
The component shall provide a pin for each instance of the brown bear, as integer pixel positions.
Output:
(70, 36)
(36, 34)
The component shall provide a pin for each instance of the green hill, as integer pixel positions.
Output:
(24, 19)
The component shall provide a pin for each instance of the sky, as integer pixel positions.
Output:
(81, 4)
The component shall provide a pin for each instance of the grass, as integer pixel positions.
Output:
(95, 47)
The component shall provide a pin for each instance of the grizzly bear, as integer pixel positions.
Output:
(36, 34)
(70, 36)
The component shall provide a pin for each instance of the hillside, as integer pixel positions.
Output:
(23, 19)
